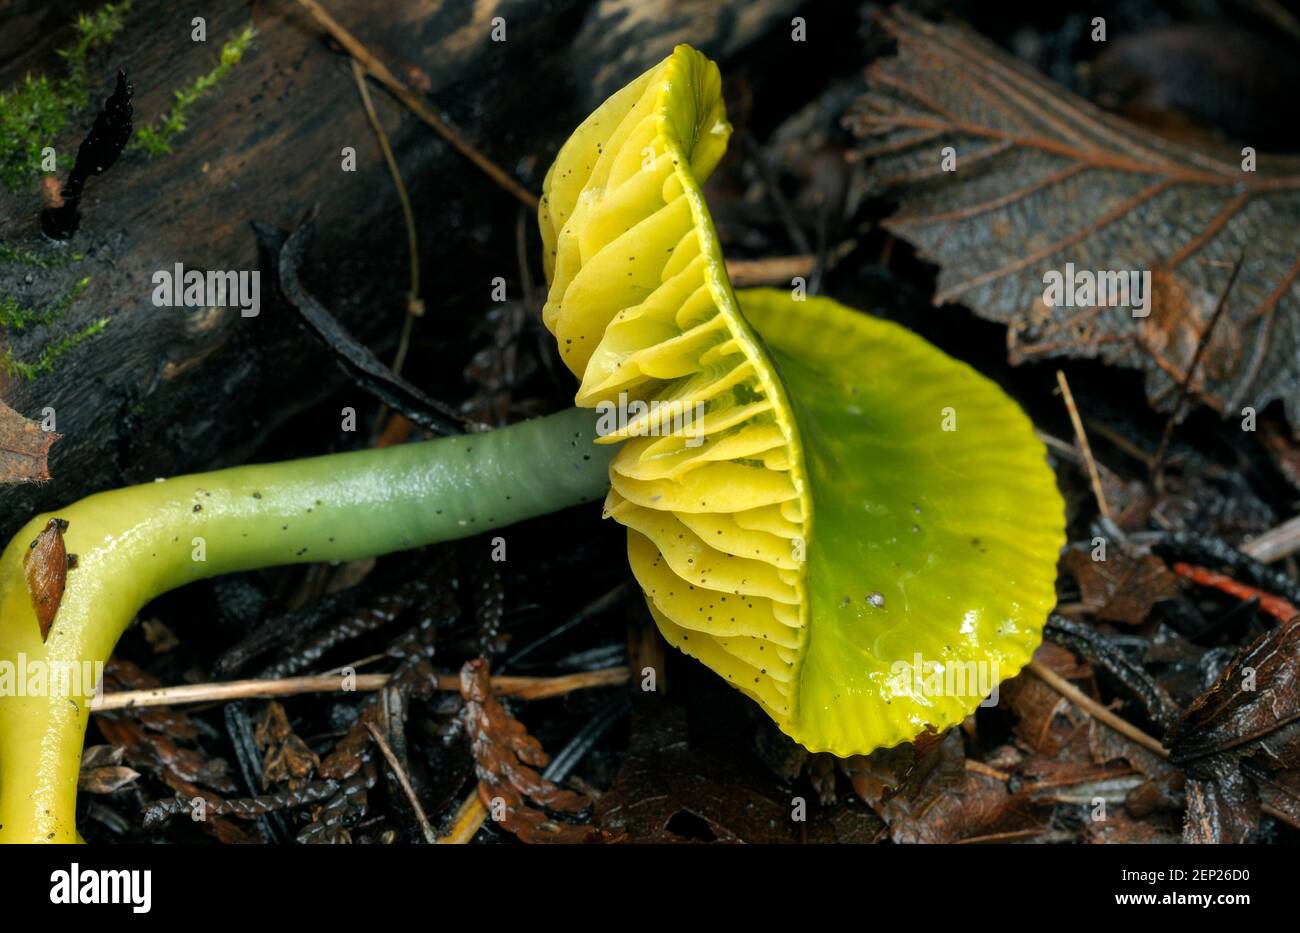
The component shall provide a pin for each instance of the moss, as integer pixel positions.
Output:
(36, 110)
(16, 317)
(43, 365)
(156, 138)
(48, 259)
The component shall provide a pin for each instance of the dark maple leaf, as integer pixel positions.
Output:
(24, 447)
(1122, 588)
(1044, 178)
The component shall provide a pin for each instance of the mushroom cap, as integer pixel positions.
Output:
(851, 527)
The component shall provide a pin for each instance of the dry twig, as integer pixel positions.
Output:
(429, 835)
(1082, 436)
(414, 306)
(1094, 709)
(525, 688)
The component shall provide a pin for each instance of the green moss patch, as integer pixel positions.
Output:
(37, 109)
(156, 138)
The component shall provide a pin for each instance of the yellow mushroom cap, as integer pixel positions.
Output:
(800, 515)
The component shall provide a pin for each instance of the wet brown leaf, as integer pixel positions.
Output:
(45, 566)
(941, 801)
(106, 780)
(1254, 698)
(352, 750)
(1286, 453)
(102, 771)
(1044, 178)
(173, 722)
(1166, 794)
(285, 756)
(1240, 741)
(669, 790)
(1122, 588)
(1120, 829)
(1106, 745)
(24, 448)
(159, 754)
(876, 777)
(160, 638)
(1280, 792)
(1046, 722)
(1075, 758)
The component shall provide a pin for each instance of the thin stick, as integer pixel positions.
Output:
(1082, 437)
(429, 835)
(417, 106)
(776, 270)
(1279, 14)
(1122, 442)
(541, 688)
(523, 224)
(979, 767)
(798, 239)
(525, 688)
(1276, 543)
(1095, 709)
(414, 307)
(780, 270)
(469, 820)
(1157, 469)
(1071, 451)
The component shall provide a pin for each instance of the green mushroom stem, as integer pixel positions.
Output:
(136, 543)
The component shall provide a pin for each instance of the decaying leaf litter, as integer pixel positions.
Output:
(1135, 699)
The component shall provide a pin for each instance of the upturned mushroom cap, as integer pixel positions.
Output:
(860, 532)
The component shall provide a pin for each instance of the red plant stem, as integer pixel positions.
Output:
(1275, 606)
